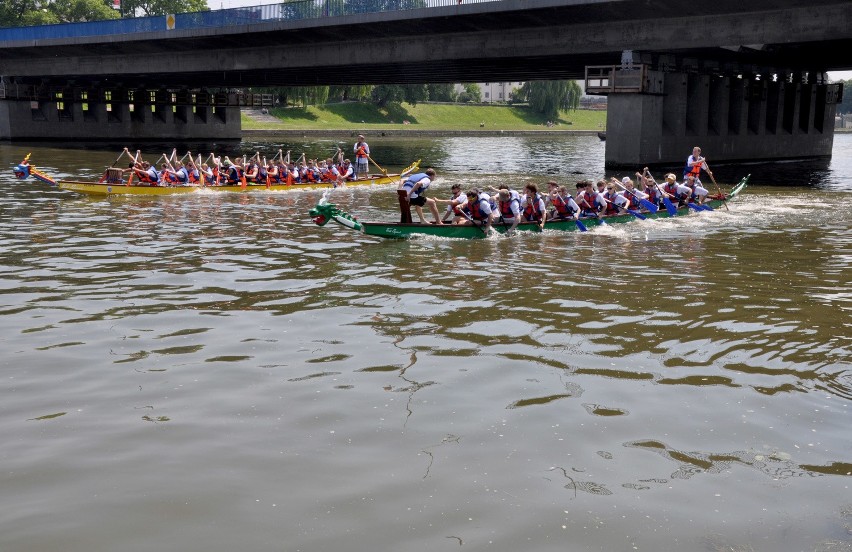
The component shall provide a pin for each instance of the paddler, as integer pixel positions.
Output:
(694, 164)
(454, 205)
(532, 206)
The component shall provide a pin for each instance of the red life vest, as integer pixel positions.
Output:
(506, 208)
(561, 206)
(652, 194)
(695, 170)
(166, 176)
(361, 153)
(532, 211)
(143, 176)
(590, 199)
(671, 189)
(475, 210)
(611, 208)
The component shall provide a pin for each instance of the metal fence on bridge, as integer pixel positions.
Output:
(287, 11)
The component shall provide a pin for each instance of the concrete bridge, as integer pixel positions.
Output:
(192, 62)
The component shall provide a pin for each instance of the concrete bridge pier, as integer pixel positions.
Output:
(656, 117)
(68, 113)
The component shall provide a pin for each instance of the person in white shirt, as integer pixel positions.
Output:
(675, 190)
(478, 209)
(362, 157)
(454, 205)
(564, 206)
(508, 208)
(694, 164)
(699, 193)
(532, 206)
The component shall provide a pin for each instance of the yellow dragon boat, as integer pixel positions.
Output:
(123, 188)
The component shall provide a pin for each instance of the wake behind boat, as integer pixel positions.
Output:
(324, 212)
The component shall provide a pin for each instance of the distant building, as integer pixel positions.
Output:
(494, 92)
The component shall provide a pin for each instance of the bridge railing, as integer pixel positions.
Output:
(287, 11)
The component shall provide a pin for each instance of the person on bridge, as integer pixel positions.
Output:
(362, 158)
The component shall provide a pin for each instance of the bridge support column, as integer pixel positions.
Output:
(731, 118)
(66, 114)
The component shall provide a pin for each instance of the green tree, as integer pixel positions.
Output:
(12, 11)
(357, 93)
(371, 6)
(549, 97)
(19, 13)
(442, 92)
(76, 11)
(144, 8)
(470, 93)
(385, 94)
(301, 10)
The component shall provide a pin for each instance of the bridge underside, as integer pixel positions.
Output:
(484, 42)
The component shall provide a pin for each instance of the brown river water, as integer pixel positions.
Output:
(214, 372)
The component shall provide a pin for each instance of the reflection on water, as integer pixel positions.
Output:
(216, 361)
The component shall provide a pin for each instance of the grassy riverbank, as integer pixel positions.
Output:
(425, 117)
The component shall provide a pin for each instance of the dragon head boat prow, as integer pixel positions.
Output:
(324, 212)
(25, 169)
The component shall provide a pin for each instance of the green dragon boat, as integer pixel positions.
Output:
(324, 212)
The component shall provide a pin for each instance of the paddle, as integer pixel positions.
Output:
(133, 170)
(200, 172)
(383, 171)
(106, 172)
(582, 198)
(169, 181)
(473, 222)
(508, 231)
(266, 168)
(643, 202)
(243, 181)
(718, 189)
(666, 201)
(633, 212)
